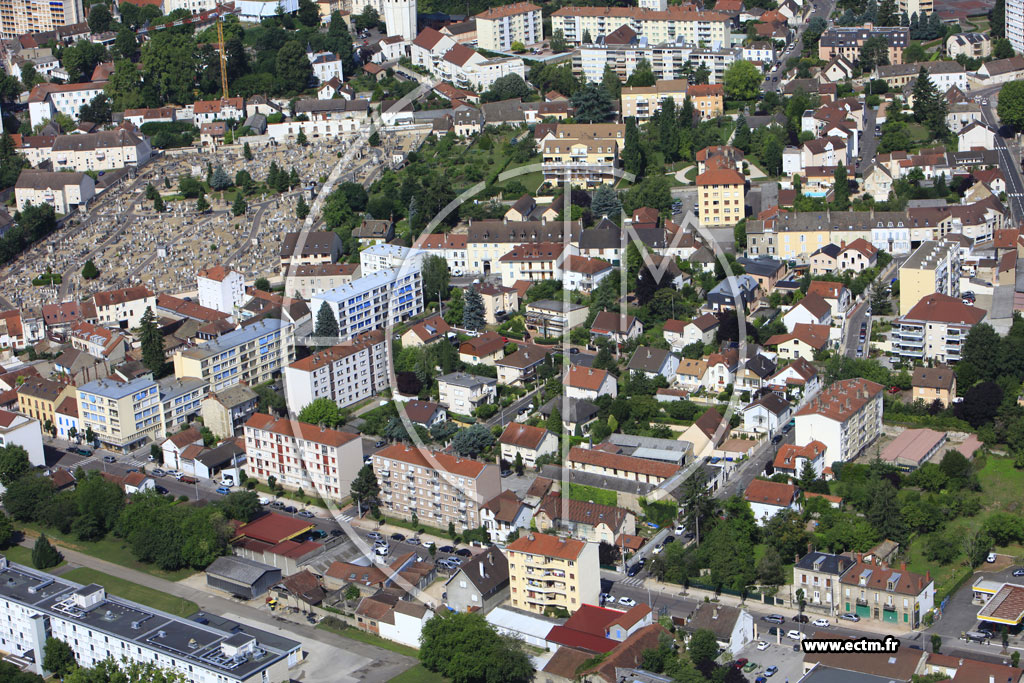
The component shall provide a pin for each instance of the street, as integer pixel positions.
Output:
(1008, 164)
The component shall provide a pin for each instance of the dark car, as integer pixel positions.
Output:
(80, 451)
(634, 569)
(161, 490)
(1018, 572)
(397, 537)
(337, 532)
(777, 438)
(801, 619)
(464, 552)
(669, 539)
(291, 509)
(447, 549)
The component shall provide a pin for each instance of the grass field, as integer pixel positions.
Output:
(133, 591)
(370, 639)
(111, 549)
(592, 493)
(418, 674)
(23, 555)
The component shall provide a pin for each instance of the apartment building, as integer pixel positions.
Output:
(180, 401)
(123, 308)
(489, 240)
(122, 415)
(463, 393)
(935, 329)
(301, 455)
(547, 571)
(374, 301)
(100, 627)
(584, 162)
(973, 45)
(221, 288)
(644, 102)
(918, 7)
(674, 23)
(846, 41)
(226, 412)
(208, 111)
(252, 354)
(796, 236)
(452, 248)
(303, 282)
(346, 373)
(309, 248)
(499, 27)
(107, 149)
(382, 256)
(18, 430)
(720, 196)
(1015, 24)
(18, 17)
(48, 99)
(933, 268)
(535, 262)
(873, 590)
(667, 60)
(38, 398)
(846, 417)
(62, 191)
(818, 575)
(434, 488)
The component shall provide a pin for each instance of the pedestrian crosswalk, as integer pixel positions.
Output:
(631, 581)
(345, 517)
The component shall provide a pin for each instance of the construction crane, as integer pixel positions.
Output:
(223, 59)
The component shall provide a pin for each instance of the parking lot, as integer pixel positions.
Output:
(778, 654)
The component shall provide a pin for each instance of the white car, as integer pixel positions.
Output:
(680, 530)
(627, 602)
(823, 623)
(762, 646)
(264, 501)
(658, 550)
(795, 635)
(991, 558)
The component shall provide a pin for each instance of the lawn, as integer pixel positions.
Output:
(111, 549)
(363, 637)
(592, 493)
(418, 674)
(23, 555)
(134, 592)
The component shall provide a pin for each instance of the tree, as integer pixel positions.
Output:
(239, 206)
(44, 555)
(90, 271)
(262, 284)
(841, 189)
(326, 323)
(703, 647)
(558, 43)
(152, 343)
(771, 155)
(592, 104)
(464, 648)
(293, 67)
(14, 464)
(471, 441)
(506, 88)
(7, 531)
(769, 568)
(202, 206)
(158, 204)
(29, 76)
(929, 104)
(97, 110)
(1002, 49)
(874, 52)
(220, 180)
(887, 14)
(247, 152)
(365, 488)
(642, 76)
(58, 657)
(301, 138)
(606, 203)
(610, 82)
(742, 81)
(473, 310)
(168, 68)
(741, 140)
(981, 403)
(321, 411)
(374, 139)
(309, 14)
(1011, 105)
(339, 41)
(434, 271)
(301, 208)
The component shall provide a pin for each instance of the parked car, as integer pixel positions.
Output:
(188, 480)
(991, 558)
(78, 450)
(397, 537)
(741, 662)
(160, 489)
(375, 536)
(290, 509)
(762, 646)
(464, 552)
(1019, 571)
(156, 473)
(680, 530)
(634, 569)
(771, 671)
(380, 443)
(774, 619)
(264, 501)
(823, 623)
(849, 616)
(801, 619)
(627, 602)
(606, 597)
(223, 490)
(447, 549)
(794, 634)
(278, 505)
(382, 550)
(306, 514)
(337, 532)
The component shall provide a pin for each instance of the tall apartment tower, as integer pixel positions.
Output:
(1015, 24)
(400, 18)
(35, 16)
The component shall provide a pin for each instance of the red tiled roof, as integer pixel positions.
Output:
(437, 461)
(307, 432)
(273, 528)
(770, 493)
(623, 463)
(945, 309)
(547, 545)
(589, 379)
(843, 399)
(523, 436)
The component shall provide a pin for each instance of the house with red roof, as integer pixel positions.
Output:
(600, 629)
(616, 326)
(589, 383)
(811, 310)
(792, 459)
(769, 498)
(835, 293)
(857, 256)
(802, 342)
(526, 442)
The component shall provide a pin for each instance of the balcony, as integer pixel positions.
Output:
(862, 602)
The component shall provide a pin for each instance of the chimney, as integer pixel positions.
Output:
(903, 566)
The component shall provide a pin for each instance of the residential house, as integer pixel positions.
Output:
(872, 590)
(803, 342)
(734, 292)
(481, 584)
(504, 515)
(811, 310)
(618, 328)
(484, 349)
(818, 575)
(769, 498)
(462, 393)
(584, 520)
(767, 414)
(551, 318)
(619, 466)
(934, 384)
(734, 627)
(653, 362)
(427, 331)
(589, 383)
(680, 334)
(521, 365)
(791, 459)
(61, 191)
(835, 293)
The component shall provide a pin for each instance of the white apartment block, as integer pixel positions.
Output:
(123, 308)
(180, 401)
(303, 282)
(435, 487)
(460, 64)
(252, 354)
(315, 128)
(846, 417)
(108, 149)
(62, 191)
(452, 248)
(18, 17)
(498, 27)
(122, 415)
(666, 60)
(400, 18)
(301, 455)
(193, 6)
(675, 23)
(98, 626)
(384, 256)
(47, 99)
(18, 430)
(346, 373)
(221, 288)
(374, 301)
